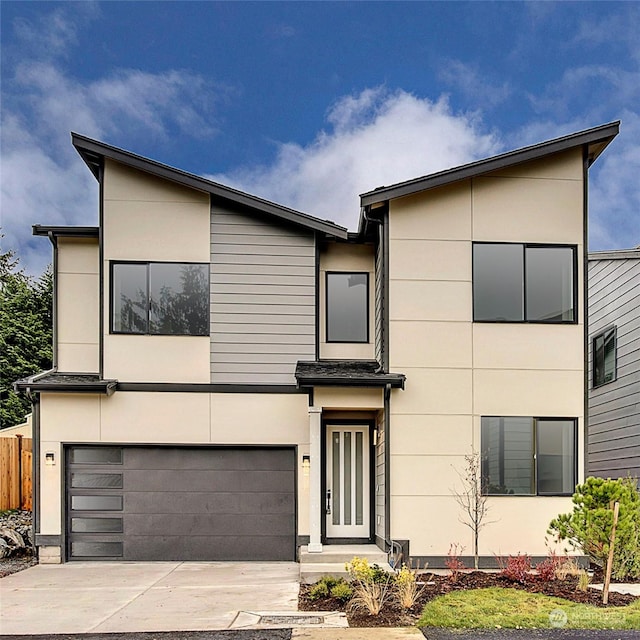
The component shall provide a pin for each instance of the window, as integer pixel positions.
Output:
(524, 283)
(347, 303)
(604, 357)
(528, 456)
(160, 298)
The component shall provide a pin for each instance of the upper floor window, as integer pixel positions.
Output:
(604, 357)
(347, 307)
(160, 298)
(528, 456)
(524, 283)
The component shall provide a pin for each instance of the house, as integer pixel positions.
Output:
(235, 380)
(614, 363)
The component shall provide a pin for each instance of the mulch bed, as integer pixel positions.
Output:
(16, 563)
(393, 615)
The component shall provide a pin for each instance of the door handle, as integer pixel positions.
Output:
(328, 509)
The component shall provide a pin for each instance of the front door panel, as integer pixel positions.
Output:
(347, 500)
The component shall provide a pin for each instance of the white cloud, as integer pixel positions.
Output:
(377, 138)
(615, 190)
(43, 181)
(474, 84)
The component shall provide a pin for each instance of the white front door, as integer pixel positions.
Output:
(347, 500)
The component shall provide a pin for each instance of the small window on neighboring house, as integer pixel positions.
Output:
(604, 357)
(528, 456)
(160, 298)
(347, 302)
(523, 283)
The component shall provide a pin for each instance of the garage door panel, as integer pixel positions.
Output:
(222, 459)
(181, 503)
(208, 548)
(214, 525)
(207, 480)
(200, 502)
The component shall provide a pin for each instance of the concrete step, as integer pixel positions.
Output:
(341, 553)
(312, 572)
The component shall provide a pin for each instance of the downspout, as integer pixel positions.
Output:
(35, 469)
(387, 465)
(585, 305)
(54, 310)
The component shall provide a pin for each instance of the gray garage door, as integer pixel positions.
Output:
(175, 503)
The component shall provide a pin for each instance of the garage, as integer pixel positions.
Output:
(180, 503)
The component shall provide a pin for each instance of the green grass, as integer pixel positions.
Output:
(498, 608)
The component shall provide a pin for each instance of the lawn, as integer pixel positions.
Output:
(512, 609)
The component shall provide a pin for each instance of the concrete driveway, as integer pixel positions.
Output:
(83, 597)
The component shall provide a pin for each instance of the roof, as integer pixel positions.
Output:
(65, 232)
(355, 373)
(66, 383)
(595, 139)
(93, 153)
(615, 254)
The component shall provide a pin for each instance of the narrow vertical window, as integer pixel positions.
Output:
(604, 357)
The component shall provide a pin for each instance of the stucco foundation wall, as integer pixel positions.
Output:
(168, 418)
(457, 370)
(146, 218)
(78, 305)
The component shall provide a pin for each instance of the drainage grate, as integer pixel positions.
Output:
(292, 620)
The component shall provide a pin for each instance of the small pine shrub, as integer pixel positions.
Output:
(342, 591)
(516, 568)
(323, 587)
(319, 590)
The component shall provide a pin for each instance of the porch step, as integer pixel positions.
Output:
(331, 561)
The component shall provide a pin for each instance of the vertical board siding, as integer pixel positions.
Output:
(614, 408)
(262, 299)
(379, 297)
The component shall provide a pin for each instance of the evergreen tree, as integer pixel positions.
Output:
(25, 333)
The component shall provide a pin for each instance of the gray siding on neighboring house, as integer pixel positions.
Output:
(262, 298)
(614, 407)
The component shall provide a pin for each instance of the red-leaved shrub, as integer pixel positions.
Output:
(515, 568)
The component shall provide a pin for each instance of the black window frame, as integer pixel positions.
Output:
(525, 246)
(147, 263)
(367, 311)
(534, 458)
(610, 329)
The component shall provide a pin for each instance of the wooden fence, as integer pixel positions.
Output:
(16, 481)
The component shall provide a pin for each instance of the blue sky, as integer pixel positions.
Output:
(309, 104)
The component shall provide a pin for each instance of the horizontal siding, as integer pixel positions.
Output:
(262, 299)
(614, 408)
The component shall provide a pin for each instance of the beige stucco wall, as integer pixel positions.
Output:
(346, 257)
(168, 418)
(457, 370)
(78, 305)
(150, 219)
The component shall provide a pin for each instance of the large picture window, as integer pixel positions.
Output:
(604, 357)
(524, 283)
(528, 456)
(347, 304)
(160, 298)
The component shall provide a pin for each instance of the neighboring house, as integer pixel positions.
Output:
(23, 429)
(234, 379)
(614, 358)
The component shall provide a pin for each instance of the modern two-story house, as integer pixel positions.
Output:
(614, 358)
(234, 379)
